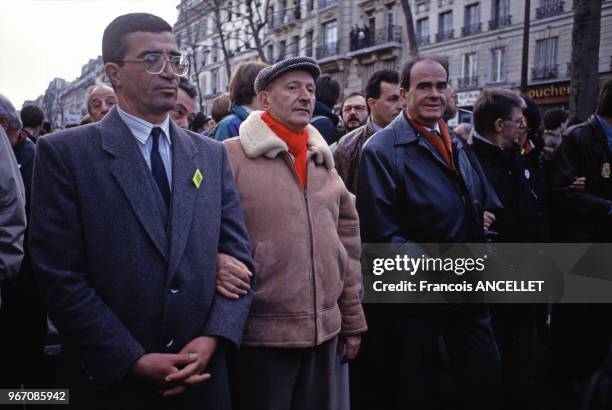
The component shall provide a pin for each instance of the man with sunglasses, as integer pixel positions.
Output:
(130, 215)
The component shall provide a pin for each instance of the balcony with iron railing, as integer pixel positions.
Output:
(545, 72)
(500, 22)
(328, 50)
(423, 40)
(323, 4)
(550, 9)
(361, 39)
(286, 17)
(445, 35)
(464, 83)
(471, 29)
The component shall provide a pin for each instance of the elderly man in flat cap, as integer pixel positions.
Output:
(306, 312)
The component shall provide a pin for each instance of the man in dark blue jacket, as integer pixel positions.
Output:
(418, 182)
(244, 100)
(323, 118)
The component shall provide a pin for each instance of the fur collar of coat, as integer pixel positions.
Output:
(258, 139)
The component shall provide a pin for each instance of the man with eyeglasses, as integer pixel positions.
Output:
(498, 121)
(420, 183)
(129, 216)
(354, 112)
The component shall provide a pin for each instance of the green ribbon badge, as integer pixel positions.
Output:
(197, 178)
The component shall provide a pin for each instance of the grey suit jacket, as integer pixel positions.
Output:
(117, 283)
(12, 211)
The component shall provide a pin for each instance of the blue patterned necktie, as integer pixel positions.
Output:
(158, 169)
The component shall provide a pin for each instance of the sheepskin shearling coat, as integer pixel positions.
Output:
(306, 243)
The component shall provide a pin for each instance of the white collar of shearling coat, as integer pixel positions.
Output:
(258, 139)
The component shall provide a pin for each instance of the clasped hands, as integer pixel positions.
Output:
(172, 374)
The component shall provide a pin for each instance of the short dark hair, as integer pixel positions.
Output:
(554, 118)
(405, 75)
(185, 85)
(604, 101)
(242, 84)
(32, 116)
(114, 46)
(494, 103)
(198, 121)
(372, 89)
(328, 90)
(532, 115)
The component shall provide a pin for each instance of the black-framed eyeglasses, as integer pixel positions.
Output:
(155, 63)
(519, 122)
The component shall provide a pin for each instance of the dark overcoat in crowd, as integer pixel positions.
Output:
(118, 281)
(401, 176)
(519, 188)
(408, 195)
(581, 332)
(23, 319)
(583, 216)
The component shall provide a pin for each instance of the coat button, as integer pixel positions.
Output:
(170, 343)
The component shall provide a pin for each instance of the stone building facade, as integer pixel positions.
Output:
(350, 39)
(197, 35)
(483, 42)
(74, 98)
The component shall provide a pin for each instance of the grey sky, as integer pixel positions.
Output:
(44, 39)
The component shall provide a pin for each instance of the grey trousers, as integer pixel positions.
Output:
(291, 379)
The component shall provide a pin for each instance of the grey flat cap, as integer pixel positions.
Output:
(271, 73)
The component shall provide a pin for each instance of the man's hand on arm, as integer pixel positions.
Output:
(233, 277)
(201, 349)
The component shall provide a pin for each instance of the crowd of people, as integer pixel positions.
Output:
(189, 262)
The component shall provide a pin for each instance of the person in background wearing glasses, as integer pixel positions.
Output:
(185, 107)
(354, 112)
(498, 119)
(100, 100)
(420, 183)
(382, 94)
(128, 217)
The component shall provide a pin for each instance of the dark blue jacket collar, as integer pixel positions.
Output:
(324, 110)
